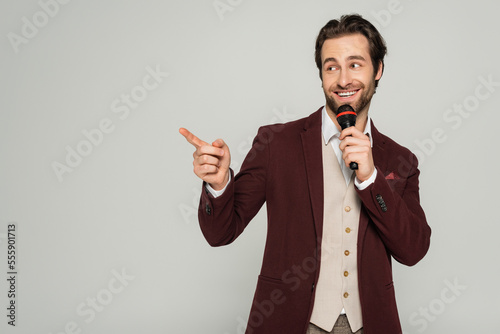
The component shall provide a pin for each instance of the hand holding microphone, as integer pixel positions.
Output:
(355, 146)
(346, 116)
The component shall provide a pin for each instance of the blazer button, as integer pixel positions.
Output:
(379, 199)
(208, 209)
(381, 202)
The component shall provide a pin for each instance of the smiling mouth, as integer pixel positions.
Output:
(346, 94)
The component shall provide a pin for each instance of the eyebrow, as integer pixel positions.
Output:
(356, 57)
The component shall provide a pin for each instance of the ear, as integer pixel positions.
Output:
(380, 71)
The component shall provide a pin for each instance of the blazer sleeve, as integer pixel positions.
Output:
(397, 215)
(224, 218)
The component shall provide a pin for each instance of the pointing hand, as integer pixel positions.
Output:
(211, 162)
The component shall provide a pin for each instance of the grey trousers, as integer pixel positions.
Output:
(341, 327)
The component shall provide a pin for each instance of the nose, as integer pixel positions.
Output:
(345, 78)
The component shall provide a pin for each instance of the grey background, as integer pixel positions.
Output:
(131, 204)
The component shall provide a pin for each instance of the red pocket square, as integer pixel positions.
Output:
(392, 176)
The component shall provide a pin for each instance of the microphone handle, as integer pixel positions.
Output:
(353, 165)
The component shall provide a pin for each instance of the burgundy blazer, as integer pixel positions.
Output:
(284, 169)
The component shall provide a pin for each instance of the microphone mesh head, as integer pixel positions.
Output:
(344, 108)
(346, 116)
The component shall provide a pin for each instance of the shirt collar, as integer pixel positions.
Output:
(329, 129)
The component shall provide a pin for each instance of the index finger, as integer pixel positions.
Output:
(191, 138)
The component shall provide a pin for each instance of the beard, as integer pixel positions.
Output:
(360, 105)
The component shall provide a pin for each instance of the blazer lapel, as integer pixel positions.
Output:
(313, 158)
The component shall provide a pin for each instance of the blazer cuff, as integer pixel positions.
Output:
(217, 193)
(209, 202)
(363, 185)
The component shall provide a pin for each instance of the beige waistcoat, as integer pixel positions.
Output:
(337, 286)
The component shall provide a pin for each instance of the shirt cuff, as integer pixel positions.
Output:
(217, 193)
(363, 185)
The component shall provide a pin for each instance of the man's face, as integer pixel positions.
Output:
(348, 73)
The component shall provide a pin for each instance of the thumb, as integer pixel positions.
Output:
(219, 143)
(226, 156)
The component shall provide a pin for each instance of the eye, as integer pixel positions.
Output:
(356, 65)
(331, 68)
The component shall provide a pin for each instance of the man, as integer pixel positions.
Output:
(331, 232)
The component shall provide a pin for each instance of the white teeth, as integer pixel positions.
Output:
(346, 94)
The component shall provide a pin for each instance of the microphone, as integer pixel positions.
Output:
(346, 116)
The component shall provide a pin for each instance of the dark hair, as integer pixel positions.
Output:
(348, 25)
